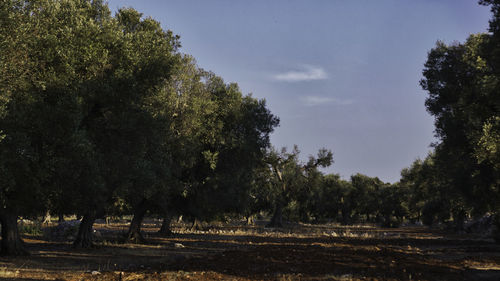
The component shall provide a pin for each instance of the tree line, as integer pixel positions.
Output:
(101, 114)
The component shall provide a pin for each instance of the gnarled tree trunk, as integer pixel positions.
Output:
(134, 232)
(46, 218)
(11, 244)
(251, 220)
(277, 219)
(346, 216)
(84, 236)
(165, 226)
(459, 219)
(196, 225)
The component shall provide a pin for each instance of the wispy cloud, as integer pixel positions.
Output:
(315, 101)
(307, 73)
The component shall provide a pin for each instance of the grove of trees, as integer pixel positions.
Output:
(101, 114)
(99, 109)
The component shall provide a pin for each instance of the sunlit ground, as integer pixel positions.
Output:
(296, 252)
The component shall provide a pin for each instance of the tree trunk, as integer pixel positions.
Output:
(277, 219)
(346, 217)
(196, 225)
(61, 219)
(11, 244)
(165, 226)
(84, 236)
(387, 221)
(134, 232)
(251, 220)
(46, 218)
(459, 219)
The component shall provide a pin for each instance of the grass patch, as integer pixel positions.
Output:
(34, 228)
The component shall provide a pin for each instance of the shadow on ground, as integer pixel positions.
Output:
(396, 254)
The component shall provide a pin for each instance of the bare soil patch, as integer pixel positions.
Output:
(238, 252)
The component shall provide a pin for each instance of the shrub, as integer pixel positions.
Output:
(32, 228)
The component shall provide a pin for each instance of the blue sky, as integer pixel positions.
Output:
(340, 74)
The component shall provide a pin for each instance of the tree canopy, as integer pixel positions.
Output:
(97, 109)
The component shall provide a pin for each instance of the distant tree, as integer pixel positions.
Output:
(259, 196)
(431, 197)
(414, 180)
(392, 206)
(303, 208)
(365, 195)
(290, 177)
(327, 198)
(286, 174)
(237, 135)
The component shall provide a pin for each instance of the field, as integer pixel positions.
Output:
(239, 252)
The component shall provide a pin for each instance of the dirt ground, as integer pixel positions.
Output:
(238, 252)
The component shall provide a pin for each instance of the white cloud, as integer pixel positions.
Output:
(308, 73)
(315, 101)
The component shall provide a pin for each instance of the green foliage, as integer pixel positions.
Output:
(34, 228)
(463, 82)
(363, 194)
(293, 183)
(488, 146)
(328, 198)
(462, 176)
(217, 139)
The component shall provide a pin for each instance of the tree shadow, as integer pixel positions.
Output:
(264, 257)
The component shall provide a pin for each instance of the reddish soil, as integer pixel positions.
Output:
(297, 252)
